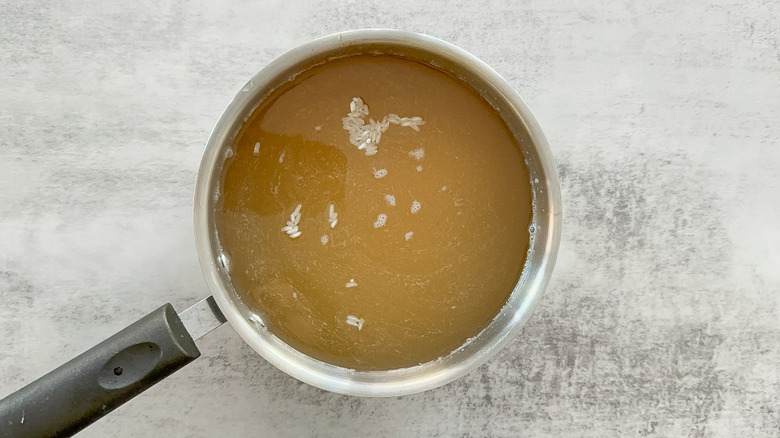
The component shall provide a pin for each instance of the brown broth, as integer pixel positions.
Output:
(419, 299)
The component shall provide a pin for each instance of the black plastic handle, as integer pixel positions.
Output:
(99, 380)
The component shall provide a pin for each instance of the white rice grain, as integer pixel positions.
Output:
(381, 220)
(417, 154)
(355, 321)
(333, 217)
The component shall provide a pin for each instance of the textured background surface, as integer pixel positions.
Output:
(662, 318)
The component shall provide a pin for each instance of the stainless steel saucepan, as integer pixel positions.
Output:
(96, 382)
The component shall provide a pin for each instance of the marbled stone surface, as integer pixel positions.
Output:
(662, 318)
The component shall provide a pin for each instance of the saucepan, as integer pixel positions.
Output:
(96, 382)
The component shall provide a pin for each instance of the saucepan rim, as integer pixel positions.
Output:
(545, 227)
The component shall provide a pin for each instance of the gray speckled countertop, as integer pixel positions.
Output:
(663, 315)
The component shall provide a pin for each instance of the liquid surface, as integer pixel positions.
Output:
(430, 233)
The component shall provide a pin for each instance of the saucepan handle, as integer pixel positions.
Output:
(93, 384)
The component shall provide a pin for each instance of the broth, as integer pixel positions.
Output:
(375, 255)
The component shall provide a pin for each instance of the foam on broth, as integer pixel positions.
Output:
(383, 260)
